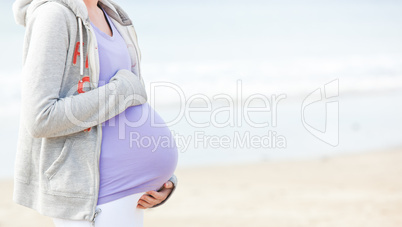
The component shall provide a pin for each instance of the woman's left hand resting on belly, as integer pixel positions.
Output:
(152, 198)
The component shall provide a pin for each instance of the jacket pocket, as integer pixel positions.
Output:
(52, 170)
(71, 173)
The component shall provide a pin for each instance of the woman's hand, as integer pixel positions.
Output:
(152, 198)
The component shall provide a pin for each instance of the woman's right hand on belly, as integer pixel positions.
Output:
(139, 94)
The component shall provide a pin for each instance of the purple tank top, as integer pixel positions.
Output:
(135, 155)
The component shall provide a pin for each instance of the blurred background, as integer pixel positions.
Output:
(288, 48)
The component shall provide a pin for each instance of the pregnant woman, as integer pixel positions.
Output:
(87, 152)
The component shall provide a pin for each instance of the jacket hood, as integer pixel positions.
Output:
(22, 9)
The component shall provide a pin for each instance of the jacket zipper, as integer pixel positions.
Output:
(95, 210)
(95, 214)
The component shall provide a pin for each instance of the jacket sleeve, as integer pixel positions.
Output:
(173, 179)
(44, 112)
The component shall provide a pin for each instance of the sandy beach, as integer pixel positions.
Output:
(351, 190)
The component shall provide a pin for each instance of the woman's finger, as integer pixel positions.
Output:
(168, 184)
(156, 195)
(150, 199)
(144, 203)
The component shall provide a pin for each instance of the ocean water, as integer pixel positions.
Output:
(270, 47)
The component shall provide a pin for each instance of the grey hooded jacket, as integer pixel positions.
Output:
(60, 133)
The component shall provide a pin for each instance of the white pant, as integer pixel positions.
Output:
(122, 212)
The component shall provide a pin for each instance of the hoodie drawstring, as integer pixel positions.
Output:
(81, 46)
(82, 78)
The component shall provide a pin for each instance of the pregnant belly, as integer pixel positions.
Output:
(138, 152)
